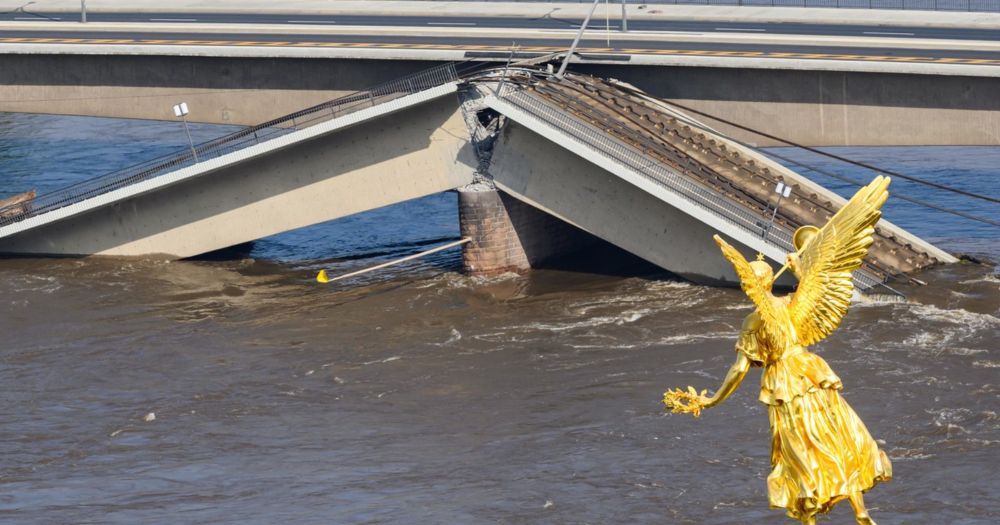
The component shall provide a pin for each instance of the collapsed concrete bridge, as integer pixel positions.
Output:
(540, 163)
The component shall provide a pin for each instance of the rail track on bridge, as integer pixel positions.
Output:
(666, 135)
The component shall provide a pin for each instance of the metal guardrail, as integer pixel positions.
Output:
(235, 141)
(738, 215)
(988, 6)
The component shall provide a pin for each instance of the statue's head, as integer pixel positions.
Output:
(762, 271)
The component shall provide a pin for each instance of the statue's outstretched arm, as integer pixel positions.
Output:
(692, 402)
(732, 381)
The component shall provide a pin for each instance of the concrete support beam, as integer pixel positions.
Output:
(549, 177)
(219, 90)
(414, 152)
(829, 108)
(816, 108)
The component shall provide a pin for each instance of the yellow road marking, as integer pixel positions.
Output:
(487, 47)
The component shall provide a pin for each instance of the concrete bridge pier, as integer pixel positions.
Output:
(511, 236)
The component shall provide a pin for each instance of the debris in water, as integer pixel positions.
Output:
(149, 417)
(116, 432)
(548, 504)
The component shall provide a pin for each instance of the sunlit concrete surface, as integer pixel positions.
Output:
(400, 150)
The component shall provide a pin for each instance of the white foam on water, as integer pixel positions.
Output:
(942, 330)
(46, 284)
(992, 278)
(986, 364)
(678, 339)
(380, 361)
(956, 316)
(958, 350)
(453, 338)
(738, 306)
(619, 346)
(626, 317)
(909, 455)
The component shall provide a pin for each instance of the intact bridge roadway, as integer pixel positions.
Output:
(820, 77)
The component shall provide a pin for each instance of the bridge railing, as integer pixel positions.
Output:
(736, 214)
(230, 143)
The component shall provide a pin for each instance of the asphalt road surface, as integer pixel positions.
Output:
(778, 28)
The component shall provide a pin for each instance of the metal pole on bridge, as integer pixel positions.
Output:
(783, 190)
(624, 17)
(83, 11)
(181, 110)
(576, 41)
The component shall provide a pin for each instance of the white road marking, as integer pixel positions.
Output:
(451, 23)
(887, 33)
(173, 19)
(740, 29)
(311, 22)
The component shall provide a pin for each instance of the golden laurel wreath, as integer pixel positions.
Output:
(685, 402)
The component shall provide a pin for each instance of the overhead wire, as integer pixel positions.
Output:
(770, 153)
(895, 194)
(840, 158)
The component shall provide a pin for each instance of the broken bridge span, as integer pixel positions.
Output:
(539, 161)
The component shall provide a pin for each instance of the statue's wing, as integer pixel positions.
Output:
(828, 260)
(772, 317)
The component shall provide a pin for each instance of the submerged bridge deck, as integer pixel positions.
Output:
(598, 154)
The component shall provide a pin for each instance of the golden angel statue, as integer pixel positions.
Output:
(821, 452)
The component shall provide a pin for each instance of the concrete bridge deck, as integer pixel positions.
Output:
(337, 158)
(635, 172)
(598, 155)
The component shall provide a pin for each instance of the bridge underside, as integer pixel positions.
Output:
(399, 156)
(545, 175)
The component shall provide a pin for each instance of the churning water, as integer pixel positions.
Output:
(424, 396)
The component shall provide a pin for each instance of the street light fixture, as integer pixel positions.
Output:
(181, 110)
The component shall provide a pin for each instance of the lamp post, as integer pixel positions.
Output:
(624, 17)
(783, 191)
(83, 11)
(181, 110)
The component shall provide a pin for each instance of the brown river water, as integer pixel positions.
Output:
(448, 399)
(422, 396)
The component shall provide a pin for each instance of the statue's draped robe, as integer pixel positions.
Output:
(821, 452)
